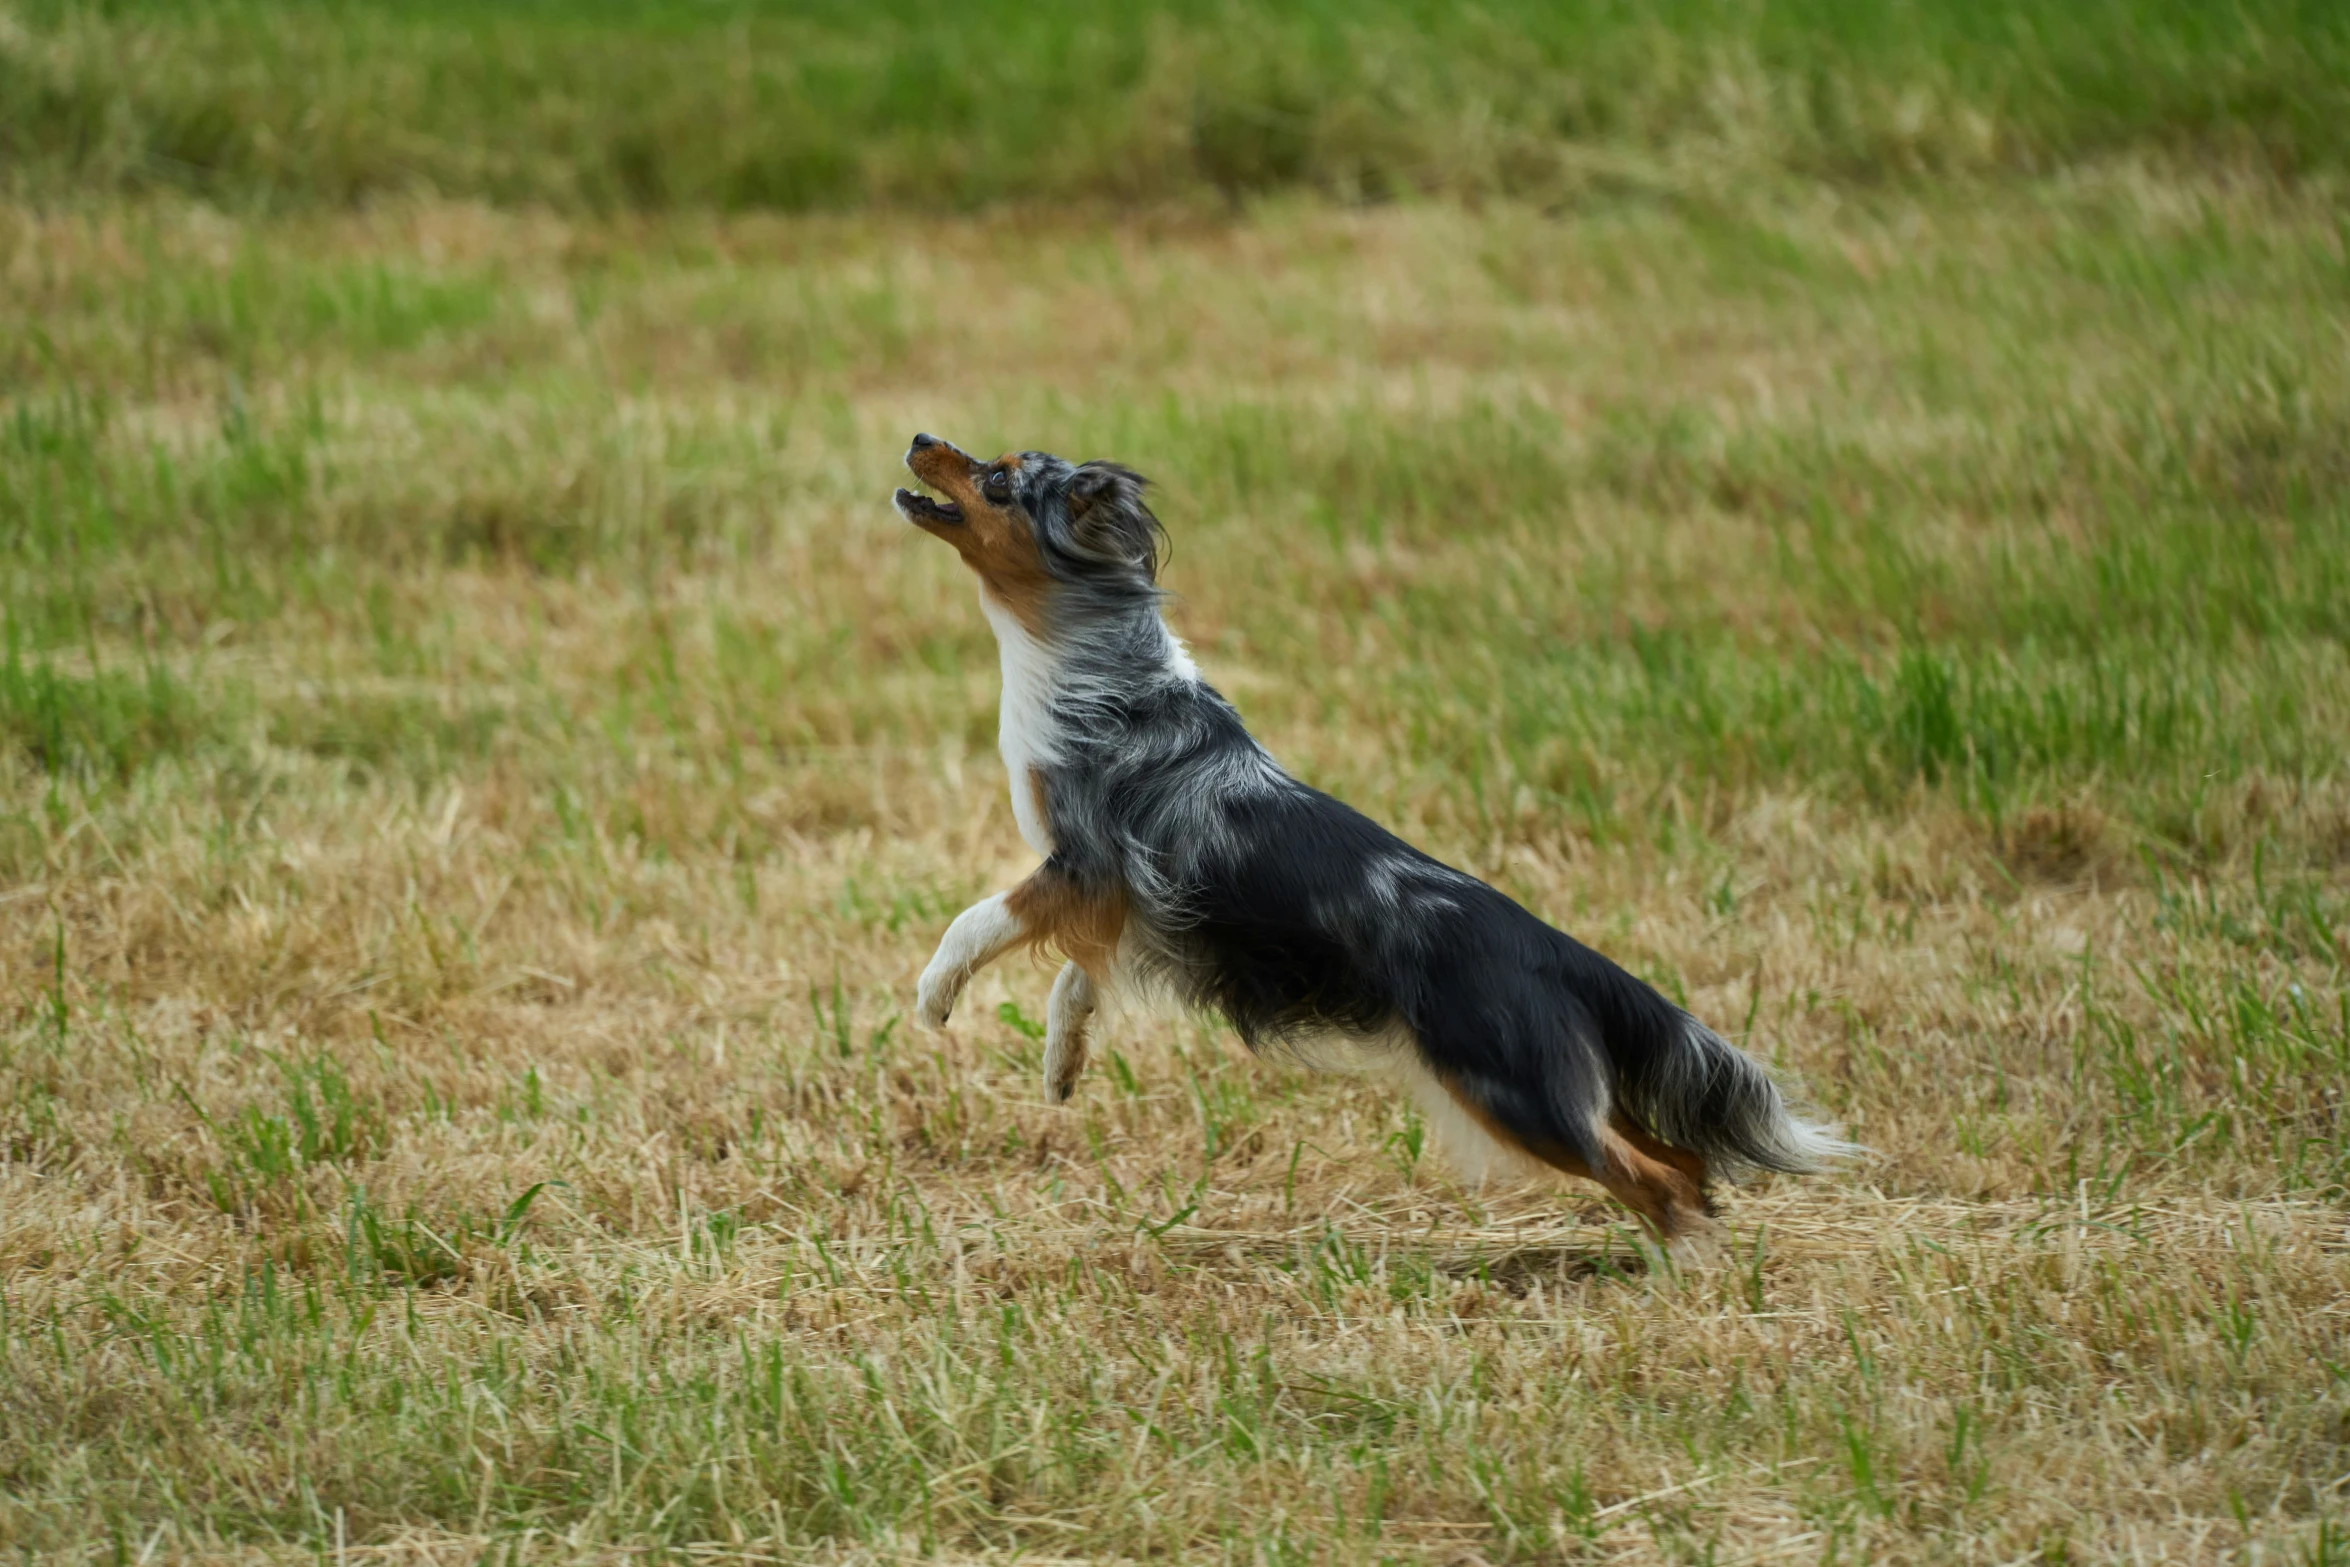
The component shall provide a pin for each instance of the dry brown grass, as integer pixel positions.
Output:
(573, 767)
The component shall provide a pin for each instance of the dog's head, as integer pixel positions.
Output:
(1039, 531)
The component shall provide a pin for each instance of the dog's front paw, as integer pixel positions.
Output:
(1064, 1060)
(935, 995)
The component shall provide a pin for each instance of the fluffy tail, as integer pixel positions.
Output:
(1696, 1090)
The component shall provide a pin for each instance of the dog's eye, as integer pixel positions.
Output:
(997, 486)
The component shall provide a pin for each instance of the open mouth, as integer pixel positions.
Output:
(916, 507)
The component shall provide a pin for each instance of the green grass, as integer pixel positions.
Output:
(742, 105)
(2062, 553)
(482, 767)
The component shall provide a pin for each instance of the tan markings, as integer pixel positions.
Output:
(1656, 1148)
(1024, 590)
(1667, 1198)
(945, 466)
(1664, 1185)
(995, 541)
(1081, 925)
(1038, 798)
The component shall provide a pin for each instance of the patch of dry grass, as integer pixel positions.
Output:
(483, 770)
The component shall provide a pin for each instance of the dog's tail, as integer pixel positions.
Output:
(1694, 1089)
(1688, 1085)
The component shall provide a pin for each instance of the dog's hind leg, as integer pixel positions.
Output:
(1681, 1160)
(1068, 1017)
(980, 934)
(1664, 1185)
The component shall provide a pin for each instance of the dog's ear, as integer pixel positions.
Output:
(1102, 483)
(1107, 519)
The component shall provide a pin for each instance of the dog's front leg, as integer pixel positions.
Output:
(980, 934)
(1067, 1017)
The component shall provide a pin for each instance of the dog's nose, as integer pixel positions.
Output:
(921, 440)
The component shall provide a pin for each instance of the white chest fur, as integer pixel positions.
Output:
(1024, 723)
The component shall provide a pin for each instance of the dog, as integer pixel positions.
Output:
(1177, 854)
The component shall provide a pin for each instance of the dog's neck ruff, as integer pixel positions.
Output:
(1053, 682)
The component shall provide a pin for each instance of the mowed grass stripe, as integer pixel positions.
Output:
(744, 105)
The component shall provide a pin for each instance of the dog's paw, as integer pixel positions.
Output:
(1064, 1060)
(935, 995)
(1698, 1249)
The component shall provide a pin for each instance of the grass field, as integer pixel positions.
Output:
(611, 105)
(481, 766)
